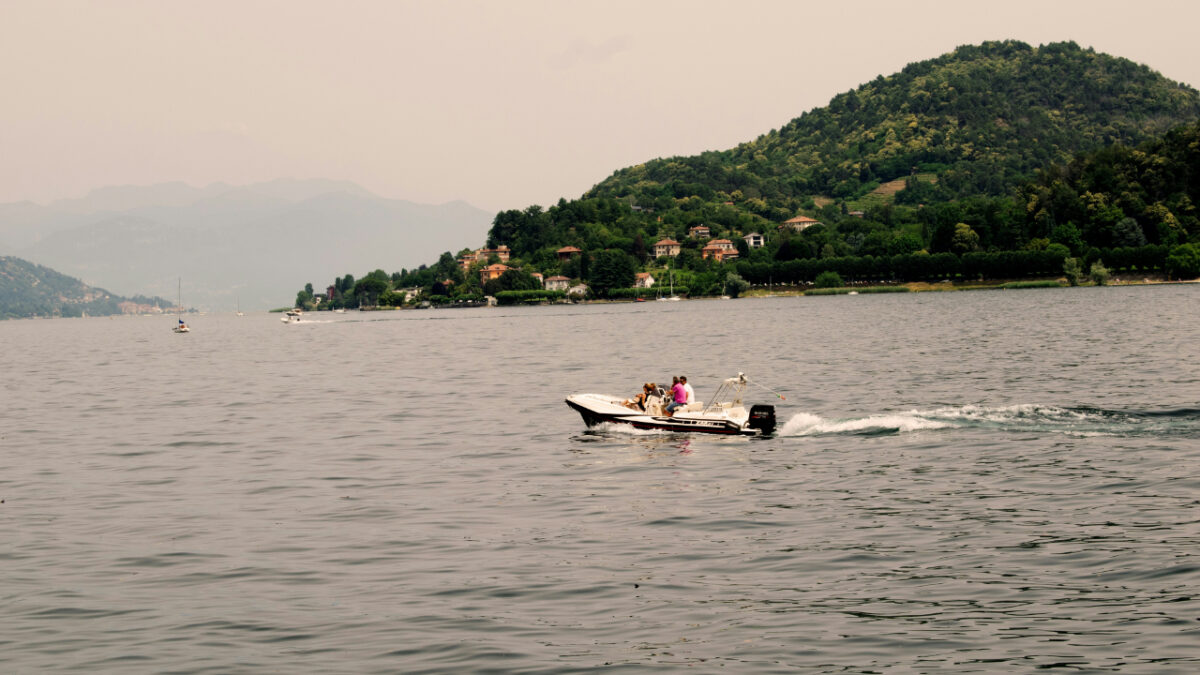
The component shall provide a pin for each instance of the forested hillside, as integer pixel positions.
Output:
(29, 290)
(999, 160)
(981, 119)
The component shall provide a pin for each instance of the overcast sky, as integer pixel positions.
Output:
(502, 104)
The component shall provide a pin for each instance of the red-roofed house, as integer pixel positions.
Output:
(558, 283)
(667, 247)
(643, 280)
(799, 223)
(719, 250)
(699, 232)
(567, 252)
(492, 272)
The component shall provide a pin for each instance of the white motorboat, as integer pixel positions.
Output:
(725, 414)
(292, 316)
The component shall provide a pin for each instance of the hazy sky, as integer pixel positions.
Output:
(502, 104)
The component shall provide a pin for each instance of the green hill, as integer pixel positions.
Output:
(29, 290)
(984, 162)
(982, 119)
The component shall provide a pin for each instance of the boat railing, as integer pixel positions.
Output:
(733, 388)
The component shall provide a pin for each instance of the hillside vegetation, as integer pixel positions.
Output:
(29, 290)
(982, 118)
(999, 160)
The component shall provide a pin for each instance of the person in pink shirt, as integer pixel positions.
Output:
(679, 394)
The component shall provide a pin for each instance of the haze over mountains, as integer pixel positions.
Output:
(253, 245)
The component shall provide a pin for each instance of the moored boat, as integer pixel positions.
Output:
(725, 414)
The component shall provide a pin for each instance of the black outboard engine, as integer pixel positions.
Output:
(762, 417)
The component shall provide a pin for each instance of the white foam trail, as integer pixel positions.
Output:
(627, 429)
(806, 424)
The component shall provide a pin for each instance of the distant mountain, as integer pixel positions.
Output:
(29, 290)
(252, 245)
(980, 120)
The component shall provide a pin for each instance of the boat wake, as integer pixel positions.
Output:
(1017, 418)
(613, 428)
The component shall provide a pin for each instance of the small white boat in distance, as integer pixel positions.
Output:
(180, 327)
(728, 416)
(292, 316)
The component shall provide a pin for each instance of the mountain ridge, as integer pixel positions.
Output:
(30, 290)
(250, 244)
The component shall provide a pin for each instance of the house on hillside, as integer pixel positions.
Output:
(643, 280)
(540, 279)
(557, 283)
(666, 247)
(755, 240)
(567, 252)
(492, 272)
(719, 250)
(799, 223)
(699, 232)
(482, 254)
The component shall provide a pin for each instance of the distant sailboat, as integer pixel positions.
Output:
(672, 297)
(239, 307)
(180, 327)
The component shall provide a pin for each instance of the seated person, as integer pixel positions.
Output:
(638, 402)
(679, 397)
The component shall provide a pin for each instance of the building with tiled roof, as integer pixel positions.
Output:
(492, 272)
(557, 283)
(799, 223)
(719, 250)
(666, 247)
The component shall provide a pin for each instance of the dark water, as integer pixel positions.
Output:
(963, 482)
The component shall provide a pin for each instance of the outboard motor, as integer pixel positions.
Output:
(762, 417)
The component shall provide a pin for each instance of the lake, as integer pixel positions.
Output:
(961, 482)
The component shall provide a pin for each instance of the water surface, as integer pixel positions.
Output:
(961, 482)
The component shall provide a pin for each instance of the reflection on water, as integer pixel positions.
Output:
(960, 483)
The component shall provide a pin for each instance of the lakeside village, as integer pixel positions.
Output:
(704, 265)
(491, 276)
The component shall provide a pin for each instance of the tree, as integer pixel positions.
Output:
(829, 279)
(1183, 262)
(964, 240)
(1072, 271)
(368, 289)
(1127, 232)
(1099, 273)
(735, 285)
(611, 269)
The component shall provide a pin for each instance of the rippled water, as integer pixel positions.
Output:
(962, 482)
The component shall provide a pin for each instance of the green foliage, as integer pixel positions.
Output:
(983, 118)
(735, 285)
(1046, 283)
(29, 290)
(369, 288)
(861, 291)
(1184, 262)
(1072, 270)
(995, 161)
(1122, 196)
(528, 297)
(1099, 273)
(829, 279)
(612, 269)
